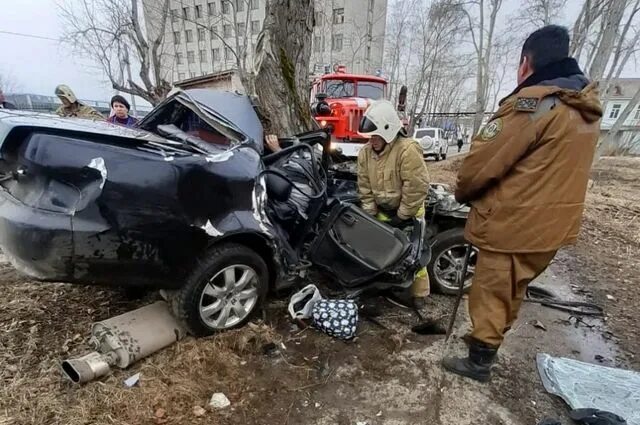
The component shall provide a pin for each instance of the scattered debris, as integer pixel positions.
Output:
(379, 413)
(132, 381)
(199, 411)
(219, 401)
(538, 324)
(610, 297)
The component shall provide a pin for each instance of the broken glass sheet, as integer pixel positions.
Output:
(584, 385)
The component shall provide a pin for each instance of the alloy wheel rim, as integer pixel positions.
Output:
(449, 263)
(229, 296)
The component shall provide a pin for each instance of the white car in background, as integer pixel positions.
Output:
(433, 142)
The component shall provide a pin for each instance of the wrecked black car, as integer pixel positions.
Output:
(187, 202)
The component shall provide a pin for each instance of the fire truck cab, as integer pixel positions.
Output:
(340, 102)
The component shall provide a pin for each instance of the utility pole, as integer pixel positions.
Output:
(128, 65)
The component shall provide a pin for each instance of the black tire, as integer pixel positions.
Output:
(444, 156)
(440, 244)
(185, 302)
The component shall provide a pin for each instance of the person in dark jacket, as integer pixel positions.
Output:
(121, 116)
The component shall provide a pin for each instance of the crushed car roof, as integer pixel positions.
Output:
(234, 107)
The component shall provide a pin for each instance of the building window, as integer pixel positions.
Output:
(179, 58)
(201, 34)
(174, 15)
(239, 5)
(192, 74)
(317, 44)
(336, 42)
(255, 27)
(185, 12)
(176, 37)
(255, 4)
(615, 111)
(191, 57)
(198, 10)
(228, 53)
(203, 56)
(241, 29)
(215, 55)
(226, 31)
(189, 36)
(180, 76)
(338, 16)
(211, 8)
(226, 7)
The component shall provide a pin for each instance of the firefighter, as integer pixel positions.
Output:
(392, 179)
(526, 179)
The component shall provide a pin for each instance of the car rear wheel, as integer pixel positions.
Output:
(447, 257)
(226, 288)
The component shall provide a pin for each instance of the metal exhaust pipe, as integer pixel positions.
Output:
(123, 340)
(87, 368)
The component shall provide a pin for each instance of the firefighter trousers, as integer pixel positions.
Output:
(499, 286)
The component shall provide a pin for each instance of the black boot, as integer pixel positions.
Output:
(477, 366)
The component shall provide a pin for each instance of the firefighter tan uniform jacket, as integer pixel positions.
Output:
(79, 111)
(395, 179)
(527, 171)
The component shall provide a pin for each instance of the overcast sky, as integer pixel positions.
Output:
(37, 65)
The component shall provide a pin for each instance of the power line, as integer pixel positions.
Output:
(20, 34)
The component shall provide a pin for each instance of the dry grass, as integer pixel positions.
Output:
(42, 324)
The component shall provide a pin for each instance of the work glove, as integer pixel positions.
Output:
(398, 222)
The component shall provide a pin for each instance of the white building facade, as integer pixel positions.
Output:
(204, 37)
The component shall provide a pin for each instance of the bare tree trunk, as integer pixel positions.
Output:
(282, 65)
(477, 119)
(611, 24)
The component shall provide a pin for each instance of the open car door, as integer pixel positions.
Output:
(356, 248)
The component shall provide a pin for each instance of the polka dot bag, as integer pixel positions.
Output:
(337, 318)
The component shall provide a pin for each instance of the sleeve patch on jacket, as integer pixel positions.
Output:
(526, 104)
(491, 130)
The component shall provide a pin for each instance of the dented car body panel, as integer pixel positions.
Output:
(91, 202)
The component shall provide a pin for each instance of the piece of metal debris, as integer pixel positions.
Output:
(538, 324)
(219, 401)
(610, 297)
(133, 380)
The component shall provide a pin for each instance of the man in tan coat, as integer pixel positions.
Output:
(392, 178)
(526, 178)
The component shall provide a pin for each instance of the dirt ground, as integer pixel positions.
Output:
(388, 375)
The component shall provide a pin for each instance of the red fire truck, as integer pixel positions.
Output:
(341, 100)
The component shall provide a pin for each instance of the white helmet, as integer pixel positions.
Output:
(380, 119)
